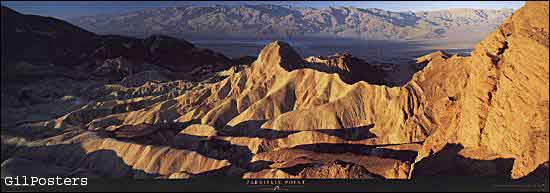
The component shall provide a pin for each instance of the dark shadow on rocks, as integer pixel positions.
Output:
(214, 148)
(259, 165)
(163, 137)
(67, 160)
(163, 133)
(352, 133)
(296, 169)
(36, 133)
(230, 171)
(17, 166)
(351, 69)
(167, 134)
(338, 169)
(252, 128)
(8, 150)
(374, 74)
(449, 163)
(244, 60)
(540, 175)
(72, 160)
(233, 171)
(360, 149)
(108, 163)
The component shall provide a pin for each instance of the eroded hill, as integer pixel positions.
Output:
(285, 116)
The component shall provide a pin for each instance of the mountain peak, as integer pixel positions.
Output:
(279, 53)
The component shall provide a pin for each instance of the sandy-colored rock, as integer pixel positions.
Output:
(504, 104)
(124, 159)
(287, 117)
(337, 170)
(381, 162)
(267, 174)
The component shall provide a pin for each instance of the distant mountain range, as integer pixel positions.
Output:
(274, 21)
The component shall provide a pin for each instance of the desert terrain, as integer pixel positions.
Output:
(77, 103)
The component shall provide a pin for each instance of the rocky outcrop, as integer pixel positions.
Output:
(55, 42)
(349, 68)
(338, 170)
(114, 158)
(287, 117)
(181, 56)
(439, 55)
(115, 69)
(41, 39)
(504, 105)
(238, 110)
(332, 170)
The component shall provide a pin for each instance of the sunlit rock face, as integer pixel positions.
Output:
(504, 110)
(281, 115)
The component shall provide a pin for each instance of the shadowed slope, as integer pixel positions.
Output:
(285, 110)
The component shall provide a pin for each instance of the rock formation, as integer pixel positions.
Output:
(284, 116)
(504, 100)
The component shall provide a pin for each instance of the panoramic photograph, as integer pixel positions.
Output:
(275, 96)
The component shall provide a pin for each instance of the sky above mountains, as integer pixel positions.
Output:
(72, 9)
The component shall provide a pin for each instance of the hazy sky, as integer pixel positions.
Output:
(69, 9)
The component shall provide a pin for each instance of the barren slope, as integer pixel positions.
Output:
(288, 117)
